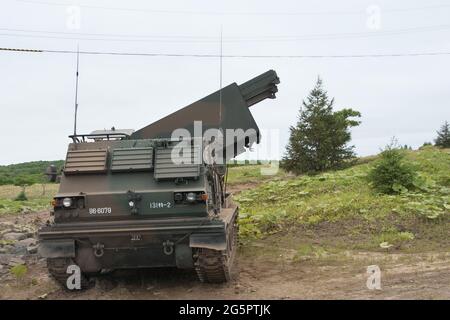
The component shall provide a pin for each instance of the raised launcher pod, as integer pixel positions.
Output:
(224, 109)
(123, 203)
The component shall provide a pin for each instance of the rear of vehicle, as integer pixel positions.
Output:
(126, 204)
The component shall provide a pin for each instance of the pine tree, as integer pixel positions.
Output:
(443, 138)
(319, 140)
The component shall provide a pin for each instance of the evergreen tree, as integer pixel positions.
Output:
(392, 173)
(319, 140)
(443, 138)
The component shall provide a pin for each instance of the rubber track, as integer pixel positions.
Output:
(213, 266)
(57, 267)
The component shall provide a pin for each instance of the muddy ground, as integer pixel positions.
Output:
(266, 269)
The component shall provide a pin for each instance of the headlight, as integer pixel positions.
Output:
(191, 197)
(67, 202)
(178, 196)
(131, 204)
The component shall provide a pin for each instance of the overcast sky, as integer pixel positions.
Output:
(406, 97)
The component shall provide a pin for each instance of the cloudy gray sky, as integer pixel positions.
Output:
(407, 97)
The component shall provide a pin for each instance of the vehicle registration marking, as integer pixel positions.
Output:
(105, 210)
(160, 205)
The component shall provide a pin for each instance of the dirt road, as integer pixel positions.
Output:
(265, 270)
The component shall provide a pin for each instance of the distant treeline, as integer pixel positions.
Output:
(29, 171)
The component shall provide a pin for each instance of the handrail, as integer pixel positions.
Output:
(83, 137)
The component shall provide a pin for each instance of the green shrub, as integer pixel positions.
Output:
(392, 174)
(21, 196)
(19, 271)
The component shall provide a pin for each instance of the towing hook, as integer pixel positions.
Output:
(98, 250)
(168, 247)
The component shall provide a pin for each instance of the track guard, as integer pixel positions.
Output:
(216, 241)
(57, 249)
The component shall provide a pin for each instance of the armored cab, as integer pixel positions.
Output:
(150, 198)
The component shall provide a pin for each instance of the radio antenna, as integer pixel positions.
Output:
(76, 93)
(220, 75)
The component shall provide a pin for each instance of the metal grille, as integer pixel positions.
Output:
(85, 161)
(132, 159)
(180, 166)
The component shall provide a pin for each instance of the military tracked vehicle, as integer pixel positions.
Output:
(125, 203)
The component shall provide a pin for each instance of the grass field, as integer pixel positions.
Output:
(251, 174)
(340, 208)
(37, 199)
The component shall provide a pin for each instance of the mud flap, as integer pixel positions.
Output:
(214, 241)
(57, 249)
(183, 256)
